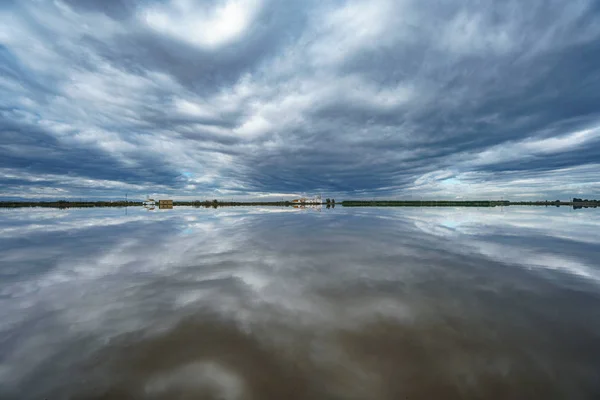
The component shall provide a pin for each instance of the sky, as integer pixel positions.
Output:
(266, 99)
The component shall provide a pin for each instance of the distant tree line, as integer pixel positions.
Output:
(69, 204)
(576, 203)
(216, 203)
(585, 203)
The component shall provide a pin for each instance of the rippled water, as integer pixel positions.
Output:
(359, 303)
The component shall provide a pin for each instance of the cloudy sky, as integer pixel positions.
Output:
(269, 99)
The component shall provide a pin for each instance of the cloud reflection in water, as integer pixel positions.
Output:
(258, 304)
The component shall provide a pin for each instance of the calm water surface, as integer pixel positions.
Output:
(360, 303)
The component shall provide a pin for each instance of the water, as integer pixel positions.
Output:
(348, 303)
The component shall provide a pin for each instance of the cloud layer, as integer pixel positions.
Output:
(248, 98)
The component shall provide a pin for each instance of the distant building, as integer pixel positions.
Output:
(149, 202)
(306, 200)
(165, 204)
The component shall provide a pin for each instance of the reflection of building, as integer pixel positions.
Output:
(149, 204)
(306, 200)
(308, 206)
(165, 204)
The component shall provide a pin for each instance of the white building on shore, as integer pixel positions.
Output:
(308, 200)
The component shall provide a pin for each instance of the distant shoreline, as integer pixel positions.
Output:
(347, 203)
(466, 203)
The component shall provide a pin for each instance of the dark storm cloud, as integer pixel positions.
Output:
(204, 68)
(251, 97)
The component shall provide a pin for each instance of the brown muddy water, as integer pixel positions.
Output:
(276, 303)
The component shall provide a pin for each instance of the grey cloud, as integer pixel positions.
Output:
(348, 98)
(118, 9)
(203, 70)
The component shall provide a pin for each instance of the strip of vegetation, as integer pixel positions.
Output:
(478, 203)
(425, 203)
(216, 203)
(91, 204)
(576, 203)
(69, 204)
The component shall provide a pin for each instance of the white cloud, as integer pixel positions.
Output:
(193, 22)
(536, 147)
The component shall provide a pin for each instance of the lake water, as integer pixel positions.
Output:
(280, 303)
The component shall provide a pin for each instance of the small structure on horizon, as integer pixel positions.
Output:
(165, 204)
(306, 200)
(149, 202)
